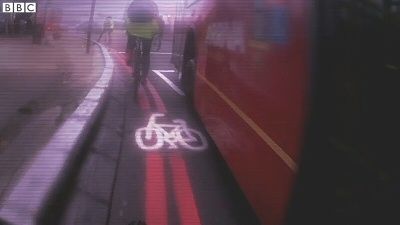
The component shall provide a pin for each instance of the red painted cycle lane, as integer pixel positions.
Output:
(156, 207)
(155, 204)
(183, 192)
(187, 208)
(156, 190)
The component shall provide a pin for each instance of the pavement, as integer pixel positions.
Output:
(40, 86)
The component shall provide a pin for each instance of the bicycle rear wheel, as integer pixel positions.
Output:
(137, 68)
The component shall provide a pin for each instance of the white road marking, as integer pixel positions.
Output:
(168, 81)
(156, 135)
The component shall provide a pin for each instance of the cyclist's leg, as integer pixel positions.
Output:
(146, 58)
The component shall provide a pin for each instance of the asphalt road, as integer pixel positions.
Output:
(161, 171)
(173, 176)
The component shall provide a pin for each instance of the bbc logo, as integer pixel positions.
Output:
(19, 7)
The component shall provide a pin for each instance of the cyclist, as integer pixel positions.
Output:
(108, 27)
(142, 26)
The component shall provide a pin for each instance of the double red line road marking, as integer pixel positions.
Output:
(156, 207)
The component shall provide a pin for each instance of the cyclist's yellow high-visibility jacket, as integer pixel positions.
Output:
(143, 29)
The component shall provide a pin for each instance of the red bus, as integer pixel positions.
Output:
(245, 66)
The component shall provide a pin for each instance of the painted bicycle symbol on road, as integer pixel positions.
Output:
(155, 135)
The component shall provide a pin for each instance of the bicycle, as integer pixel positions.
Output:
(141, 56)
(155, 135)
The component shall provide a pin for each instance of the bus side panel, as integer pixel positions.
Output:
(266, 80)
(264, 178)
